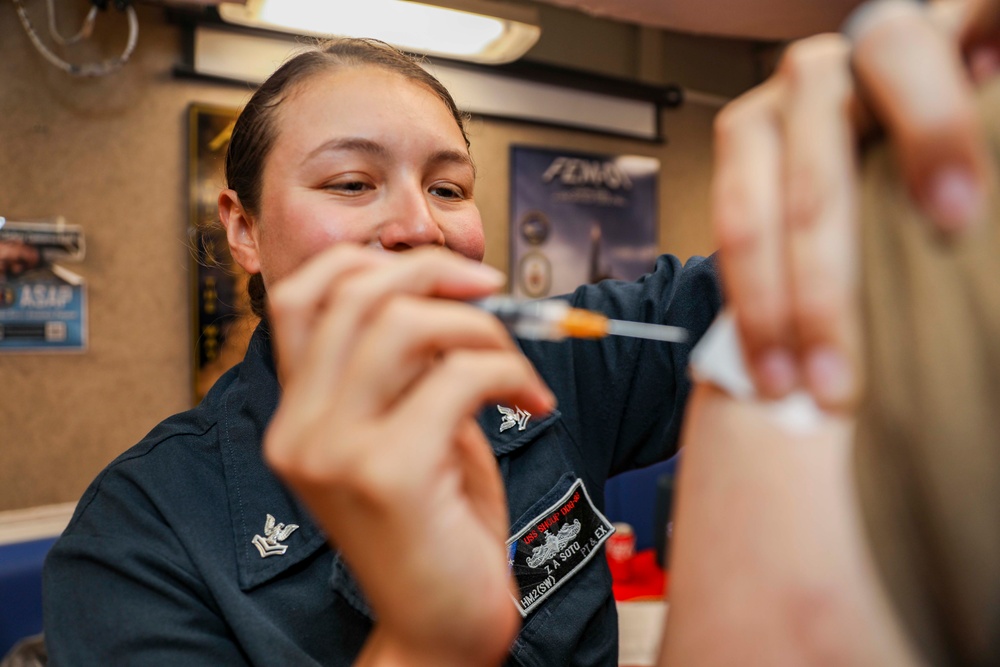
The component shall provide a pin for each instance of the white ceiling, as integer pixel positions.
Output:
(760, 19)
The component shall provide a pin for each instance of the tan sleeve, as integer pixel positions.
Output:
(928, 447)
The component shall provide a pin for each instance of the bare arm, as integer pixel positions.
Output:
(769, 564)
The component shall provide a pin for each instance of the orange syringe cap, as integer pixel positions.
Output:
(579, 323)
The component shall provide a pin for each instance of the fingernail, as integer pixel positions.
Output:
(955, 199)
(984, 63)
(829, 376)
(776, 371)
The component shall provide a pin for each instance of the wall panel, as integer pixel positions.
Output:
(111, 155)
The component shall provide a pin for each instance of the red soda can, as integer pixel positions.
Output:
(620, 552)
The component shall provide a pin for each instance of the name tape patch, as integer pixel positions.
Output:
(554, 546)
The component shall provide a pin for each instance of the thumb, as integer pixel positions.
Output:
(912, 75)
(979, 33)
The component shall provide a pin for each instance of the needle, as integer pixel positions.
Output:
(664, 332)
(557, 320)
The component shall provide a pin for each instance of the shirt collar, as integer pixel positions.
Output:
(254, 491)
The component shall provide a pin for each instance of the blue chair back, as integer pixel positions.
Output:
(634, 497)
(21, 590)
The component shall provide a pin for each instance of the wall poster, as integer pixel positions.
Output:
(221, 319)
(43, 304)
(579, 218)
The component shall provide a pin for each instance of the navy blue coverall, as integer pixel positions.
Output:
(159, 564)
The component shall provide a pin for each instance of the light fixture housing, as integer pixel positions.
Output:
(480, 31)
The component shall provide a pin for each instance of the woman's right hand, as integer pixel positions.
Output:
(382, 378)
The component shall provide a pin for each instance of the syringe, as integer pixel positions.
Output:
(553, 319)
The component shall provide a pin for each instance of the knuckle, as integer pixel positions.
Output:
(375, 480)
(793, 63)
(496, 330)
(808, 195)
(725, 121)
(296, 461)
(324, 465)
(283, 298)
(298, 448)
(349, 292)
(764, 312)
(525, 368)
(397, 313)
(733, 119)
(735, 228)
(458, 364)
(277, 453)
(805, 59)
(764, 316)
(961, 120)
(817, 313)
(965, 118)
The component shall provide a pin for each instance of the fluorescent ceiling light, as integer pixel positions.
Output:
(238, 56)
(482, 31)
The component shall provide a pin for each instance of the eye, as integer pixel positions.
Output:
(349, 187)
(447, 191)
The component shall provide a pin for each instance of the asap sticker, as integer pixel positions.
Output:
(554, 546)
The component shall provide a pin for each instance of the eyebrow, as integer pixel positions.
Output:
(449, 156)
(359, 144)
(350, 144)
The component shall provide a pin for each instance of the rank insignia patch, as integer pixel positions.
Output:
(511, 418)
(554, 546)
(274, 535)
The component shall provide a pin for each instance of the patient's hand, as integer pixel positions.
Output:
(784, 192)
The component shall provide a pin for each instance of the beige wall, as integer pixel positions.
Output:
(111, 155)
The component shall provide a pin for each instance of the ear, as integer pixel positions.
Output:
(239, 227)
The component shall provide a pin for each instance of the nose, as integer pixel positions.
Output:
(410, 222)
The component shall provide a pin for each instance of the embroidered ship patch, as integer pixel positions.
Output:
(554, 546)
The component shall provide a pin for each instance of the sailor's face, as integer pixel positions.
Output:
(364, 155)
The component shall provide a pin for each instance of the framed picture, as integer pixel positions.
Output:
(221, 318)
(580, 218)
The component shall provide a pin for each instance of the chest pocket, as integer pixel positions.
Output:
(565, 599)
(556, 544)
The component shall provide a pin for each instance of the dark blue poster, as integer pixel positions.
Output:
(579, 218)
